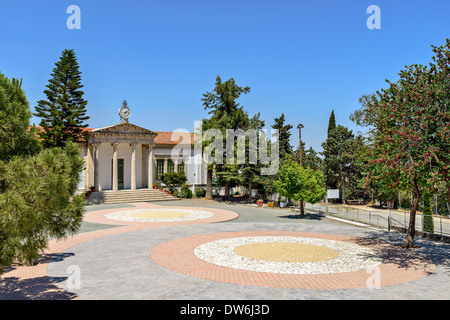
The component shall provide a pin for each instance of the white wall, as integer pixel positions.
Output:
(123, 152)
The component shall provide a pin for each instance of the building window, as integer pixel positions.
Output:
(181, 166)
(170, 166)
(159, 167)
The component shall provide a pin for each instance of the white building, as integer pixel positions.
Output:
(126, 156)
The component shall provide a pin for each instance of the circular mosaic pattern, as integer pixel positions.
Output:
(286, 252)
(332, 256)
(362, 263)
(159, 215)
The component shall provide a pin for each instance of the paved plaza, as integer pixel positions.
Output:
(208, 250)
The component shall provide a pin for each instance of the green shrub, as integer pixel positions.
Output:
(428, 223)
(174, 179)
(188, 193)
(199, 192)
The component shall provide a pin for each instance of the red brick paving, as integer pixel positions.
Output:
(33, 282)
(178, 255)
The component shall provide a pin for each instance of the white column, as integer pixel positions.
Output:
(115, 185)
(96, 167)
(133, 166)
(90, 166)
(150, 166)
(166, 165)
(86, 167)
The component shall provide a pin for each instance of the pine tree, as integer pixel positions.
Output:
(226, 113)
(64, 112)
(284, 135)
(15, 114)
(37, 187)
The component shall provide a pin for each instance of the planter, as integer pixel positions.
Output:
(282, 204)
(259, 203)
(270, 204)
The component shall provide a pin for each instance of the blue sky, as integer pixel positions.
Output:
(300, 58)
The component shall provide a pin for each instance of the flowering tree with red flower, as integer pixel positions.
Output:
(410, 130)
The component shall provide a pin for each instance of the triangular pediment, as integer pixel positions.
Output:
(123, 128)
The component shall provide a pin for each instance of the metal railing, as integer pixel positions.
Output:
(383, 219)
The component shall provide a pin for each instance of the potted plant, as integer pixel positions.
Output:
(270, 203)
(92, 189)
(259, 202)
(282, 202)
(155, 185)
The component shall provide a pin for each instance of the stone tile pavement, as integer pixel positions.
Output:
(114, 260)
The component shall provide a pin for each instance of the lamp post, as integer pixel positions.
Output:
(300, 126)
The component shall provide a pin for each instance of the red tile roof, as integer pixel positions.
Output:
(163, 137)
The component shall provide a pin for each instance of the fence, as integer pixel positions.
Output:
(439, 203)
(384, 219)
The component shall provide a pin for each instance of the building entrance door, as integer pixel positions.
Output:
(120, 173)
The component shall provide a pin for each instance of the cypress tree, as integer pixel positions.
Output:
(64, 112)
(331, 123)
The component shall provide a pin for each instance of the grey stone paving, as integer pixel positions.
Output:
(119, 266)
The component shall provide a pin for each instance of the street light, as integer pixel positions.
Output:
(300, 126)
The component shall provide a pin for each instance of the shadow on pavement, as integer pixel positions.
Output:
(308, 216)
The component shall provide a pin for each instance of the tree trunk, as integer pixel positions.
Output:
(412, 218)
(227, 191)
(302, 210)
(250, 197)
(390, 204)
(208, 194)
(344, 199)
(448, 191)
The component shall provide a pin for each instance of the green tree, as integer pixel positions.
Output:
(15, 114)
(174, 180)
(300, 184)
(331, 123)
(284, 135)
(63, 114)
(409, 121)
(37, 202)
(341, 165)
(226, 114)
(37, 187)
(439, 117)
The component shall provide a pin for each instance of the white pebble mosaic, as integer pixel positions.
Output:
(127, 215)
(351, 257)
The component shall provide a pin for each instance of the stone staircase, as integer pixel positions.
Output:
(121, 196)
